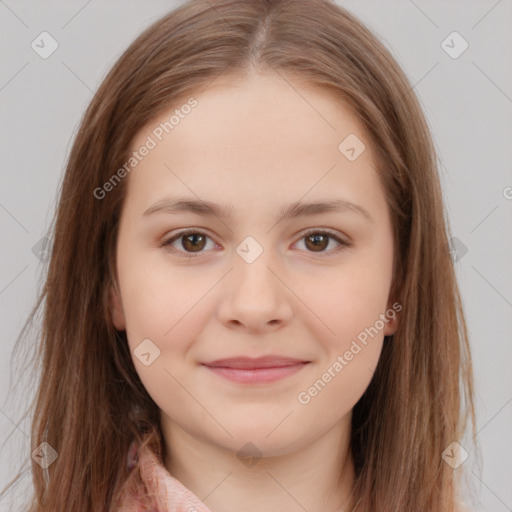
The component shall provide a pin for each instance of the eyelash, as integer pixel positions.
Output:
(330, 233)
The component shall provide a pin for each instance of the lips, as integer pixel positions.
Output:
(260, 371)
(247, 363)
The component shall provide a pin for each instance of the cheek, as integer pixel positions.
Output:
(156, 297)
(338, 386)
(165, 308)
(352, 306)
(344, 304)
(164, 311)
(351, 352)
(169, 307)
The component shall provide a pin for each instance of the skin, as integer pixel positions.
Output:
(256, 145)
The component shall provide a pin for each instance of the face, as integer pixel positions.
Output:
(251, 282)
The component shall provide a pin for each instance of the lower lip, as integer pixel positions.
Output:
(257, 375)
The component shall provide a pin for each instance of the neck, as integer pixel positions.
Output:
(317, 477)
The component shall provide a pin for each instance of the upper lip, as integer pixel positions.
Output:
(245, 363)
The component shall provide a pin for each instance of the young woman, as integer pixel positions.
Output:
(250, 303)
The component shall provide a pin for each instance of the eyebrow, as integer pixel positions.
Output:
(297, 209)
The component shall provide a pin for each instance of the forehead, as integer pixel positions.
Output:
(258, 138)
(249, 113)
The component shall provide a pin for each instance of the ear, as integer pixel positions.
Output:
(116, 308)
(393, 315)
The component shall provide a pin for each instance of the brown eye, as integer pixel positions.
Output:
(317, 242)
(190, 243)
(193, 242)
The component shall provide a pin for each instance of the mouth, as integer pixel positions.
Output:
(255, 371)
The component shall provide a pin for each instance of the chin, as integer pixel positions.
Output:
(264, 442)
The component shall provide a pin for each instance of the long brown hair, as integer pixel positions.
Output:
(90, 403)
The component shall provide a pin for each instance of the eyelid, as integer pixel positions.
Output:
(334, 234)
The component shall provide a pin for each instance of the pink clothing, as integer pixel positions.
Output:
(151, 476)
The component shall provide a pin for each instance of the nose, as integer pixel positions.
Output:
(255, 297)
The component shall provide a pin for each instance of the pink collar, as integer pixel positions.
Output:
(151, 476)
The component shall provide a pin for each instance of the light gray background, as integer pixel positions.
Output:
(468, 104)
